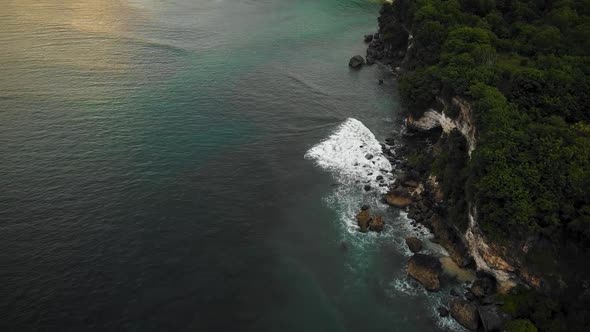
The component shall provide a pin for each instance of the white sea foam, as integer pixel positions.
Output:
(345, 154)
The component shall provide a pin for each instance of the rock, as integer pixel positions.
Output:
(491, 299)
(370, 61)
(376, 224)
(410, 183)
(447, 237)
(454, 292)
(367, 188)
(368, 38)
(429, 121)
(484, 285)
(356, 61)
(492, 318)
(414, 244)
(470, 296)
(365, 207)
(426, 269)
(363, 219)
(379, 177)
(376, 35)
(398, 198)
(369, 156)
(465, 313)
(380, 82)
(443, 312)
(390, 141)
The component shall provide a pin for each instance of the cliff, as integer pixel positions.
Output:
(512, 161)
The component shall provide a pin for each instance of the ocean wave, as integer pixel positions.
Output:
(354, 156)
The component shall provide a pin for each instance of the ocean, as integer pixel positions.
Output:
(196, 166)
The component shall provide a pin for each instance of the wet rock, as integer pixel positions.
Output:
(426, 270)
(465, 313)
(380, 82)
(442, 311)
(356, 61)
(376, 224)
(367, 188)
(369, 156)
(398, 198)
(390, 141)
(454, 292)
(368, 38)
(414, 244)
(379, 177)
(363, 219)
(365, 207)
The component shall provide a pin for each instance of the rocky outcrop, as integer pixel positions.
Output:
(486, 258)
(363, 219)
(483, 286)
(398, 198)
(367, 222)
(356, 61)
(465, 313)
(376, 224)
(492, 318)
(414, 244)
(448, 237)
(426, 270)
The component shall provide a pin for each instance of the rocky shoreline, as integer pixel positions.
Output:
(473, 300)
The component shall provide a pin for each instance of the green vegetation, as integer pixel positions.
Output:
(520, 325)
(524, 67)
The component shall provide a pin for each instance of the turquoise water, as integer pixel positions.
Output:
(153, 173)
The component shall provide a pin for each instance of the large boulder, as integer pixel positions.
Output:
(414, 244)
(484, 285)
(356, 61)
(465, 313)
(363, 219)
(376, 224)
(426, 270)
(398, 198)
(492, 318)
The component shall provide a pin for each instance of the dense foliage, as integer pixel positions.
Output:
(524, 67)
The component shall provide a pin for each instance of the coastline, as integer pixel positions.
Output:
(473, 299)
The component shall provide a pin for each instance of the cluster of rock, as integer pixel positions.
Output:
(376, 50)
(479, 307)
(368, 222)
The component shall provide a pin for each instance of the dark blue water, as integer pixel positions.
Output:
(152, 173)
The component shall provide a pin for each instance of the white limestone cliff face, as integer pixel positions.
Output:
(438, 119)
(487, 257)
